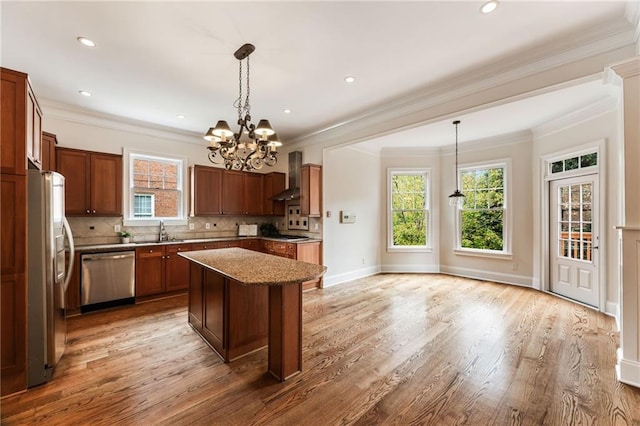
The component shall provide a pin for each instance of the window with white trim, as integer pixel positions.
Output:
(155, 189)
(409, 221)
(482, 219)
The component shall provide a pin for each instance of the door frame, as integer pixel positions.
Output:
(598, 146)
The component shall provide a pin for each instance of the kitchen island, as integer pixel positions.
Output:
(241, 300)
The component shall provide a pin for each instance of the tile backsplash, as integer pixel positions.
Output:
(100, 230)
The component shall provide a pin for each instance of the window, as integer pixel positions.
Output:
(143, 205)
(409, 209)
(155, 189)
(482, 218)
(574, 163)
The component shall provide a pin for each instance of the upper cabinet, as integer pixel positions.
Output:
(49, 142)
(206, 184)
(93, 182)
(311, 190)
(21, 123)
(273, 183)
(216, 191)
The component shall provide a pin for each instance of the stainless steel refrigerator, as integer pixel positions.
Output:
(47, 277)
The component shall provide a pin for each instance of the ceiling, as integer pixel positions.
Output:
(156, 60)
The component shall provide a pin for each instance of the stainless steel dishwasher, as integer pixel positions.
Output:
(107, 280)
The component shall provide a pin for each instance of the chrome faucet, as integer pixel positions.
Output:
(162, 236)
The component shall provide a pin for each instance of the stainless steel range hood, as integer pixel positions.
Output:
(293, 192)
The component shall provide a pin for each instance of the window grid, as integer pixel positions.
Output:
(409, 222)
(575, 221)
(483, 214)
(575, 162)
(143, 205)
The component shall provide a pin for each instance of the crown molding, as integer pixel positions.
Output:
(598, 47)
(73, 114)
(632, 13)
(589, 112)
(410, 152)
(514, 138)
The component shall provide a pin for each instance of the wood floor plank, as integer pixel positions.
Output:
(390, 349)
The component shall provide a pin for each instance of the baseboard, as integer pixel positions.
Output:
(331, 280)
(613, 309)
(498, 277)
(410, 269)
(628, 372)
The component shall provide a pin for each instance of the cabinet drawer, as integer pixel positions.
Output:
(149, 251)
(280, 248)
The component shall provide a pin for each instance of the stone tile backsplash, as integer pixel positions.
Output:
(100, 230)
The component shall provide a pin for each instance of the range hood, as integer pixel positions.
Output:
(293, 192)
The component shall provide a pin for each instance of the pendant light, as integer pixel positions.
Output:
(457, 198)
(227, 147)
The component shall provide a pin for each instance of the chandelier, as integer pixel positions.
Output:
(457, 198)
(226, 147)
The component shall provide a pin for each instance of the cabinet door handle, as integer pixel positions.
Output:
(88, 211)
(166, 257)
(94, 211)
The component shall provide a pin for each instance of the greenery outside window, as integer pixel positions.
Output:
(482, 220)
(155, 190)
(409, 221)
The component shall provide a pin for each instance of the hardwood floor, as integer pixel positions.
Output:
(390, 349)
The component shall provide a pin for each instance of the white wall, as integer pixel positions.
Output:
(604, 127)
(351, 182)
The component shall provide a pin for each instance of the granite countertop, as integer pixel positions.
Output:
(95, 248)
(254, 268)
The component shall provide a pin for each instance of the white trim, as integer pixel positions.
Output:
(628, 372)
(499, 141)
(73, 114)
(589, 112)
(127, 196)
(331, 280)
(428, 247)
(613, 309)
(410, 269)
(505, 164)
(519, 280)
(598, 146)
(483, 253)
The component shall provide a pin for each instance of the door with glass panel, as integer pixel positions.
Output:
(573, 239)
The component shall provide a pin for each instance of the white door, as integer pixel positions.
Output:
(573, 239)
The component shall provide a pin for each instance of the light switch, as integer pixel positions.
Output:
(347, 216)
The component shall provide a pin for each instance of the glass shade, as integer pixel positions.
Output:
(456, 199)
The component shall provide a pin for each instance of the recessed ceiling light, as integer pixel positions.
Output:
(86, 42)
(286, 111)
(180, 116)
(489, 6)
(84, 93)
(349, 79)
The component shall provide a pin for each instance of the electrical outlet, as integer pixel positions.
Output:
(191, 227)
(116, 228)
(315, 227)
(207, 226)
(514, 267)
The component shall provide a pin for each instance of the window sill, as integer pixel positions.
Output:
(408, 249)
(154, 222)
(483, 253)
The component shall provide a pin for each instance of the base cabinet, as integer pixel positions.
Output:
(159, 270)
(230, 317)
(310, 252)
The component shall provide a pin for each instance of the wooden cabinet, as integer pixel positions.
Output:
(251, 244)
(49, 142)
(233, 192)
(206, 186)
(231, 317)
(310, 252)
(13, 131)
(311, 190)
(19, 133)
(93, 182)
(160, 270)
(13, 283)
(216, 191)
(273, 183)
(34, 130)
(253, 194)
